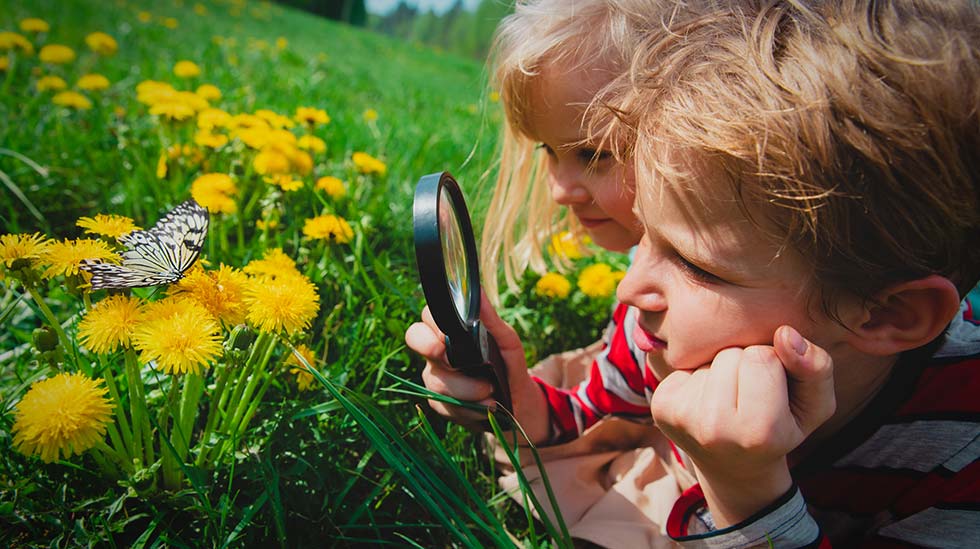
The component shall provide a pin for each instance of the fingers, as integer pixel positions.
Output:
(810, 371)
(430, 344)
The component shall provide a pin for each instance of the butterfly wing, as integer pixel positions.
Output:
(157, 256)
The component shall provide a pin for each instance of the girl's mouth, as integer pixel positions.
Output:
(646, 341)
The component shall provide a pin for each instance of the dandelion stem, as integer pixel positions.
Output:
(254, 405)
(219, 391)
(55, 325)
(137, 405)
(262, 351)
(189, 399)
(131, 444)
(171, 469)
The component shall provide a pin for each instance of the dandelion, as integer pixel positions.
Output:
(301, 162)
(22, 250)
(553, 285)
(101, 43)
(72, 99)
(60, 416)
(304, 379)
(179, 337)
(333, 186)
(64, 257)
(274, 263)
(56, 54)
(221, 292)
(144, 16)
(282, 43)
(276, 120)
(209, 92)
(214, 191)
(370, 115)
(311, 116)
(567, 245)
(285, 182)
(33, 24)
(162, 166)
(266, 224)
(204, 138)
(288, 302)
(208, 119)
(186, 69)
(173, 110)
(12, 40)
(50, 82)
(110, 324)
(170, 22)
(494, 96)
(599, 280)
(92, 82)
(111, 225)
(311, 143)
(200, 9)
(4, 64)
(368, 164)
(328, 227)
(270, 161)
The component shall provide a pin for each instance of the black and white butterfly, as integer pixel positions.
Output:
(160, 255)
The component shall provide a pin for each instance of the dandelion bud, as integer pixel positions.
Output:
(242, 338)
(45, 339)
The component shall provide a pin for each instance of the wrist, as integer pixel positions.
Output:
(733, 499)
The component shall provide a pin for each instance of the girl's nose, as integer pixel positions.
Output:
(567, 187)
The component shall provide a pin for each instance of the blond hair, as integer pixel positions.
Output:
(856, 122)
(575, 35)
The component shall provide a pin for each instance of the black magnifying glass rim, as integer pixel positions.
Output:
(431, 260)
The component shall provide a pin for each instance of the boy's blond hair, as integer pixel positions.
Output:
(572, 35)
(857, 120)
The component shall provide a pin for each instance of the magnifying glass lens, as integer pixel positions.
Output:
(454, 255)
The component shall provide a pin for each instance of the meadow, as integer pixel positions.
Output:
(267, 397)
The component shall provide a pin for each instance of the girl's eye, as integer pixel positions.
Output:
(548, 150)
(592, 155)
(695, 272)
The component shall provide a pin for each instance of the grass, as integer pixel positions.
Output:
(357, 460)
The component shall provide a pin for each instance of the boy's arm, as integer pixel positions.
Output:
(739, 418)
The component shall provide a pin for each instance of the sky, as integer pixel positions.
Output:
(438, 6)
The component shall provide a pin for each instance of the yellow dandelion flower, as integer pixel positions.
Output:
(209, 92)
(56, 54)
(328, 227)
(266, 224)
(304, 379)
(311, 143)
(162, 166)
(553, 285)
(221, 292)
(285, 303)
(184, 341)
(60, 416)
(275, 120)
(64, 257)
(186, 69)
(200, 9)
(208, 119)
(50, 82)
(301, 162)
(285, 182)
(599, 280)
(101, 43)
(110, 324)
(144, 16)
(12, 40)
(4, 64)
(368, 164)
(111, 225)
(311, 116)
(170, 23)
(151, 92)
(494, 96)
(205, 138)
(33, 24)
(333, 186)
(72, 99)
(24, 250)
(370, 115)
(567, 245)
(274, 263)
(93, 82)
(270, 161)
(282, 43)
(214, 191)
(173, 110)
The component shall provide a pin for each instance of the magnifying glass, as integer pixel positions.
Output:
(448, 268)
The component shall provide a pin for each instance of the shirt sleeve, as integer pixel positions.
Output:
(784, 523)
(617, 384)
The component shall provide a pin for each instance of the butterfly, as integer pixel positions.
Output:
(160, 255)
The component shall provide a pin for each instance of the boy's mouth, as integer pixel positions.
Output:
(646, 341)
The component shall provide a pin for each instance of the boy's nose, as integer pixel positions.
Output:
(640, 286)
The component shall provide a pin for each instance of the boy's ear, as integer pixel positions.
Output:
(906, 315)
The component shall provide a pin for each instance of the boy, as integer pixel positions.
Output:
(807, 178)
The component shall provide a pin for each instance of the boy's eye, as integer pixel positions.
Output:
(695, 272)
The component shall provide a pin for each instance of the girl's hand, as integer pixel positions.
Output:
(530, 408)
(740, 416)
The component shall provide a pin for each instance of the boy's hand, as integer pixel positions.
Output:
(739, 417)
(530, 408)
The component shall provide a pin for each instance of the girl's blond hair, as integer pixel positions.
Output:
(575, 35)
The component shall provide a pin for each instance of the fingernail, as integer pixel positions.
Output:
(797, 342)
